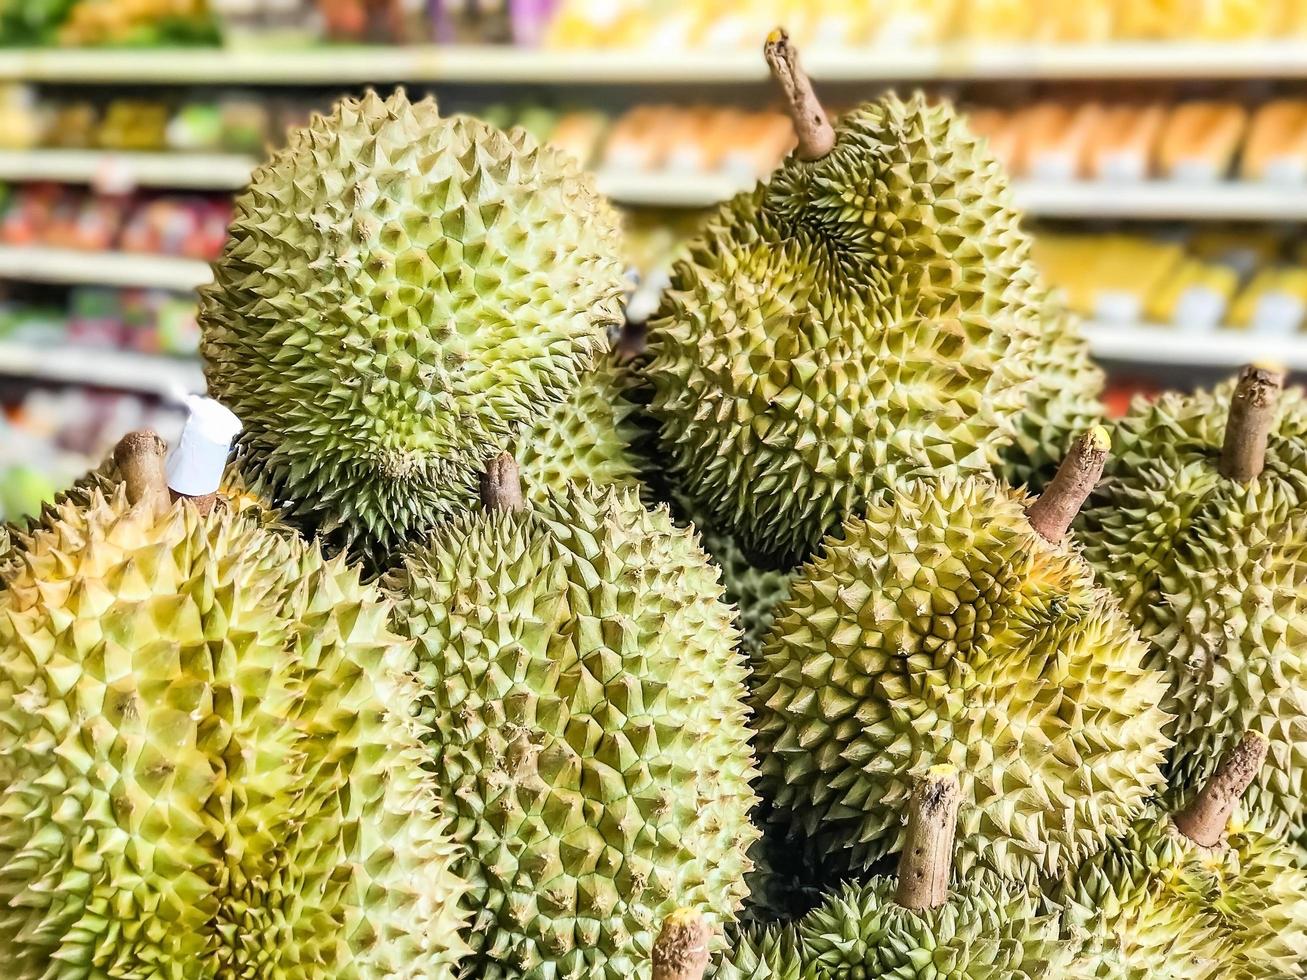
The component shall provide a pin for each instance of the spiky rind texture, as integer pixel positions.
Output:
(1063, 401)
(1154, 905)
(399, 295)
(988, 927)
(586, 720)
(863, 319)
(208, 761)
(586, 438)
(1214, 574)
(942, 629)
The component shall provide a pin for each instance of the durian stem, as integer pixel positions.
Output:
(1203, 820)
(1252, 411)
(139, 457)
(203, 504)
(1051, 515)
(813, 129)
(501, 484)
(927, 858)
(681, 950)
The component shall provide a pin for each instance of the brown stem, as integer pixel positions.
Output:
(1252, 412)
(1076, 478)
(927, 858)
(681, 950)
(1203, 820)
(139, 457)
(813, 129)
(203, 504)
(501, 484)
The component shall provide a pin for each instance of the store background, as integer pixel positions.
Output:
(1159, 149)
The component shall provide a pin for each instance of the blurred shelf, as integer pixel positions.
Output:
(506, 64)
(1149, 344)
(108, 169)
(147, 374)
(35, 263)
(1147, 200)
(670, 190)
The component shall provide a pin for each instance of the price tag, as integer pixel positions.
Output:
(1278, 313)
(1200, 309)
(1054, 165)
(1117, 306)
(113, 177)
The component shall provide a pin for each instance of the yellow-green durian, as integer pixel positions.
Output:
(868, 316)
(400, 294)
(1213, 571)
(584, 707)
(942, 628)
(208, 760)
(1156, 904)
(586, 438)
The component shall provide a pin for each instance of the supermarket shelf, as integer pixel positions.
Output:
(1147, 200)
(124, 171)
(505, 64)
(147, 374)
(31, 263)
(1148, 344)
(670, 190)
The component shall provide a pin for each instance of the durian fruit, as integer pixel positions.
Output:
(1194, 895)
(869, 316)
(401, 292)
(914, 926)
(586, 438)
(208, 761)
(953, 624)
(1201, 529)
(1064, 400)
(585, 715)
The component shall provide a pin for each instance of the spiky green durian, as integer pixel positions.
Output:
(763, 954)
(867, 317)
(586, 438)
(208, 763)
(401, 293)
(941, 628)
(584, 705)
(1213, 571)
(1063, 400)
(1157, 905)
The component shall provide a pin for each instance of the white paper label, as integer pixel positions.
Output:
(1054, 165)
(195, 467)
(1124, 166)
(1278, 313)
(1196, 170)
(1285, 170)
(1200, 309)
(686, 158)
(1117, 306)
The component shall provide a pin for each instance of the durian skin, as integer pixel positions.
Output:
(942, 629)
(859, 321)
(1063, 402)
(988, 928)
(1214, 574)
(1154, 905)
(586, 438)
(208, 762)
(399, 295)
(585, 713)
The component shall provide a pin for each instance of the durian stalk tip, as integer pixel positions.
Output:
(139, 457)
(926, 861)
(681, 950)
(1248, 427)
(1051, 515)
(501, 485)
(816, 136)
(1205, 819)
(943, 769)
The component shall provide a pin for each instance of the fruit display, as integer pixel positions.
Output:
(548, 594)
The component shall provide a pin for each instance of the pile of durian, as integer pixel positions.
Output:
(819, 631)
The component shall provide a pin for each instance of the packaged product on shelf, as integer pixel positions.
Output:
(1244, 250)
(1053, 140)
(1275, 149)
(1123, 146)
(1199, 141)
(1273, 303)
(21, 125)
(134, 124)
(1108, 278)
(139, 23)
(578, 133)
(1194, 297)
